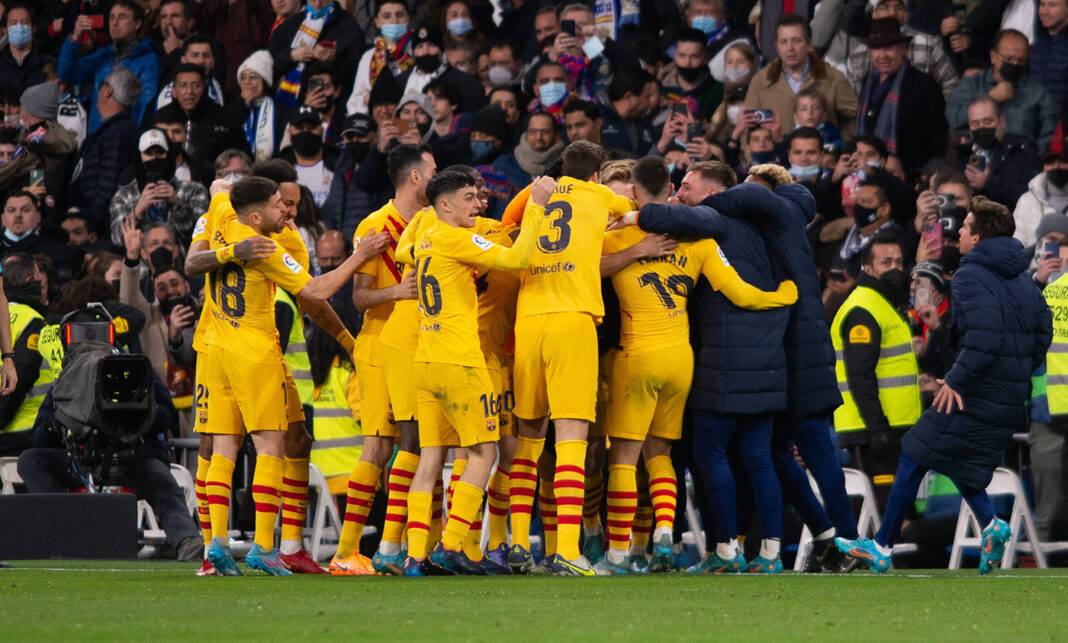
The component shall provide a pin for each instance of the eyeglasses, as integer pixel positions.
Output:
(1011, 59)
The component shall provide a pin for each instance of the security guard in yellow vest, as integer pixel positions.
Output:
(1049, 419)
(877, 371)
(338, 436)
(295, 351)
(22, 285)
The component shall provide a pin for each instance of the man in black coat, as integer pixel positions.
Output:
(899, 103)
(1001, 328)
(210, 128)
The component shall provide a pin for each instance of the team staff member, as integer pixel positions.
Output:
(377, 287)
(556, 352)
(456, 396)
(877, 370)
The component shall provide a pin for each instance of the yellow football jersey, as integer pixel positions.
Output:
(447, 263)
(564, 274)
(385, 273)
(653, 292)
(243, 298)
(497, 292)
(401, 330)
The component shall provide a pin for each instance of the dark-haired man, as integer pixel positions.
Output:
(197, 50)
(1002, 328)
(624, 109)
(211, 129)
(582, 122)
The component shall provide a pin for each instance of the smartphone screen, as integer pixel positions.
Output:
(932, 234)
(96, 21)
(328, 44)
(402, 124)
(694, 131)
(1048, 248)
(568, 27)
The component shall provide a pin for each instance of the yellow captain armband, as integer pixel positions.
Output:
(225, 254)
(347, 341)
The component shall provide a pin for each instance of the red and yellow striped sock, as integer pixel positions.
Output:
(294, 497)
(547, 509)
(203, 512)
(400, 480)
(217, 486)
(435, 516)
(498, 508)
(418, 523)
(360, 497)
(622, 504)
(467, 500)
(662, 490)
(643, 524)
(523, 480)
(267, 496)
(569, 488)
(458, 466)
(473, 540)
(593, 495)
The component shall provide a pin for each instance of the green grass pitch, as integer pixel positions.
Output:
(83, 600)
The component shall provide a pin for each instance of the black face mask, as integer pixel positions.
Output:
(895, 286)
(1057, 177)
(159, 169)
(167, 305)
(692, 74)
(950, 258)
(863, 216)
(358, 150)
(427, 63)
(325, 269)
(1012, 72)
(306, 144)
(985, 137)
(161, 259)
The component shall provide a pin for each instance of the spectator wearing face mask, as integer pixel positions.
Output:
(428, 48)
(21, 60)
(314, 162)
(172, 120)
(998, 164)
(489, 132)
(323, 31)
(539, 145)
(359, 184)
(262, 120)
(1046, 196)
(688, 77)
(1049, 51)
(391, 53)
(461, 22)
(1029, 109)
(23, 232)
(156, 195)
(505, 65)
(321, 91)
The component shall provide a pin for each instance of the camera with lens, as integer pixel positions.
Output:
(104, 398)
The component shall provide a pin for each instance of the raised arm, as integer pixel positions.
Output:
(329, 283)
(518, 256)
(201, 260)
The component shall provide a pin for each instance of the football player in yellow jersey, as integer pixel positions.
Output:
(654, 367)
(455, 394)
(244, 388)
(556, 351)
(378, 286)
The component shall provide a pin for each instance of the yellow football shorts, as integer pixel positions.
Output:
(240, 393)
(648, 393)
(376, 418)
(457, 405)
(555, 370)
(398, 367)
(604, 392)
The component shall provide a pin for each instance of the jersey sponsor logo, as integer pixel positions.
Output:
(482, 242)
(552, 268)
(860, 335)
(290, 263)
(202, 225)
(723, 257)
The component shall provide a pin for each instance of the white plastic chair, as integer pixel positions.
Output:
(185, 480)
(326, 524)
(1005, 482)
(9, 475)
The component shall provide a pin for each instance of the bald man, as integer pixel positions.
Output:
(331, 249)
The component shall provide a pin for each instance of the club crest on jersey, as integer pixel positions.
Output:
(355, 244)
(482, 242)
(290, 263)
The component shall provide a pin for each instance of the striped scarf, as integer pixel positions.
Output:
(383, 55)
(307, 35)
(886, 123)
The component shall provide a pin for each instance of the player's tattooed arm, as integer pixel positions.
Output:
(200, 260)
(323, 314)
(653, 245)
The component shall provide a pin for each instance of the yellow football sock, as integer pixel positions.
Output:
(498, 508)
(622, 503)
(361, 495)
(643, 524)
(466, 500)
(217, 485)
(569, 488)
(458, 466)
(435, 516)
(473, 540)
(662, 490)
(523, 480)
(593, 495)
(294, 497)
(267, 495)
(418, 523)
(203, 510)
(400, 480)
(547, 509)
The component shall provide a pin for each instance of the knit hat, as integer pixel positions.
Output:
(422, 100)
(41, 101)
(492, 120)
(932, 270)
(261, 63)
(1055, 222)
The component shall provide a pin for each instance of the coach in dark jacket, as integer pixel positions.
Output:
(812, 388)
(739, 370)
(1001, 328)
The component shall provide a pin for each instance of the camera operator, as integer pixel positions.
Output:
(46, 468)
(22, 285)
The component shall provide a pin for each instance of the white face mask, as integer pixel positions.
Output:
(734, 112)
(501, 76)
(735, 74)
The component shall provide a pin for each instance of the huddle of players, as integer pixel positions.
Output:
(442, 289)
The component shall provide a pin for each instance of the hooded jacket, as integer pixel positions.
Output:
(1032, 206)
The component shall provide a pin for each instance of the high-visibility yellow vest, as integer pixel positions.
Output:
(296, 354)
(51, 348)
(338, 436)
(21, 316)
(897, 373)
(1056, 385)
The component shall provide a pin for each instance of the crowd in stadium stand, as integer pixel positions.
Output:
(122, 119)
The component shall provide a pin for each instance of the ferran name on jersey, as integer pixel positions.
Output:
(677, 260)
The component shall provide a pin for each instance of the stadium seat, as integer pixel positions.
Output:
(1005, 482)
(9, 475)
(326, 525)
